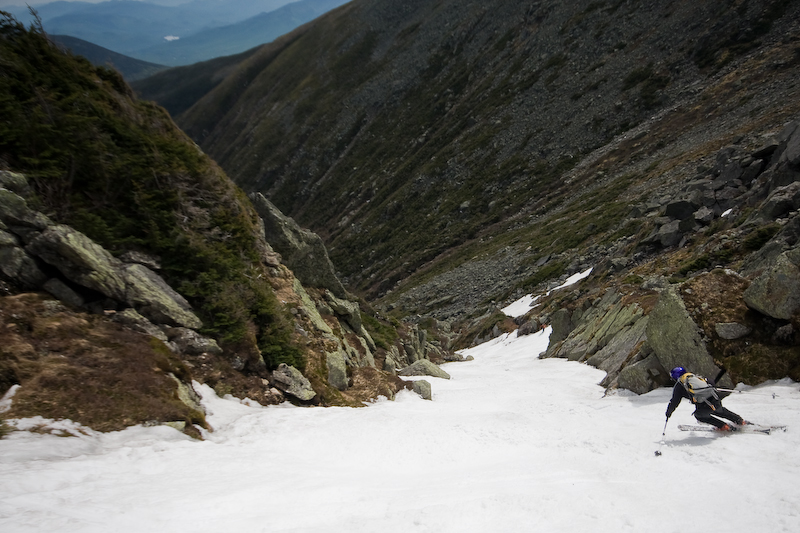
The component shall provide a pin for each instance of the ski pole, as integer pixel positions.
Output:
(752, 393)
(663, 436)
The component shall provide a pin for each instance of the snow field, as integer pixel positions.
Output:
(511, 443)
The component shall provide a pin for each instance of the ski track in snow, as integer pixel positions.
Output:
(511, 443)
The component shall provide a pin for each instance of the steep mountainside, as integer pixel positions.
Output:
(130, 68)
(412, 134)
(131, 266)
(455, 156)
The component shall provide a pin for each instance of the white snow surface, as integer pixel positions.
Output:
(524, 304)
(511, 443)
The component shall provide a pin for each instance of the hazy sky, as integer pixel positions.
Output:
(34, 3)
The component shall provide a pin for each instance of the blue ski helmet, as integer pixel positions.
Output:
(677, 372)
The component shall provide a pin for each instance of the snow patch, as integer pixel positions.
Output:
(525, 304)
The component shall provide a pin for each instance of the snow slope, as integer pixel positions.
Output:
(511, 443)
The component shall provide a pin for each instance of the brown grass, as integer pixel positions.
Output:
(85, 368)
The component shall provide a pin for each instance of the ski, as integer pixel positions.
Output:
(774, 428)
(739, 429)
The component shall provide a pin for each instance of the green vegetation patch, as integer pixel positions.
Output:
(121, 172)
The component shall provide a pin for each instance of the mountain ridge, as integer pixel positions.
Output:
(486, 107)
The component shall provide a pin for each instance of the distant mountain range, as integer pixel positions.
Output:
(176, 35)
(236, 38)
(130, 68)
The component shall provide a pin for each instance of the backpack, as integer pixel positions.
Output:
(698, 388)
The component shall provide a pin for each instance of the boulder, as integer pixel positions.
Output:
(80, 259)
(781, 201)
(704, 215)
(20, 268)
(86, 263)
(642, 376)
(792, 152)
(423, 388)
(337, 369)
(14, 211)
(731, 330)
(670, 234)
(562, 325)
(301, 250)
(346, 309)
(16, 183)
(63, 292)
(292, 381)
(155, 299)
(423, 367)
(776, 292)
(190, 342)
(133, 320)
(674, 337)
(679, 209)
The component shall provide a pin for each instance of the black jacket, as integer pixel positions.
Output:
(679, 392)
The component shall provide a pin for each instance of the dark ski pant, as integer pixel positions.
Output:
(707, 411)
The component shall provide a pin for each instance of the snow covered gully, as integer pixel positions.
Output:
(510, 443)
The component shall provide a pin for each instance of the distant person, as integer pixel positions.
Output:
(707, 399)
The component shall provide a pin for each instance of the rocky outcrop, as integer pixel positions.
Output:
(79, 268)
(776, 292)
(301, 250)
(85, 263)
(674, 337)
(636, 350)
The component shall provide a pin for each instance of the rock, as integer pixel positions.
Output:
(531, 326)
(642, 376)
(301, 250)
(423, 367)
(781, 201)
(766, 150)
(133, 320)
(346, 309)
(731, 330)
(776, 292)
(190, 342)
(752, 171)
(86, 263)
(784, 335)
(155, 299)
(63, 292)
(680, 210)
(337, 369)
(187, 395)
(562, 325)
(675, 339)
(16, 183)
(14, 211)
(143, 259)
(423, 388)
(292, 381)
(704, 215)
(670, 234)
(20, 268)
(792, 152)
(81, 260)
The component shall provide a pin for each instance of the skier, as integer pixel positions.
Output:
(708, 408)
